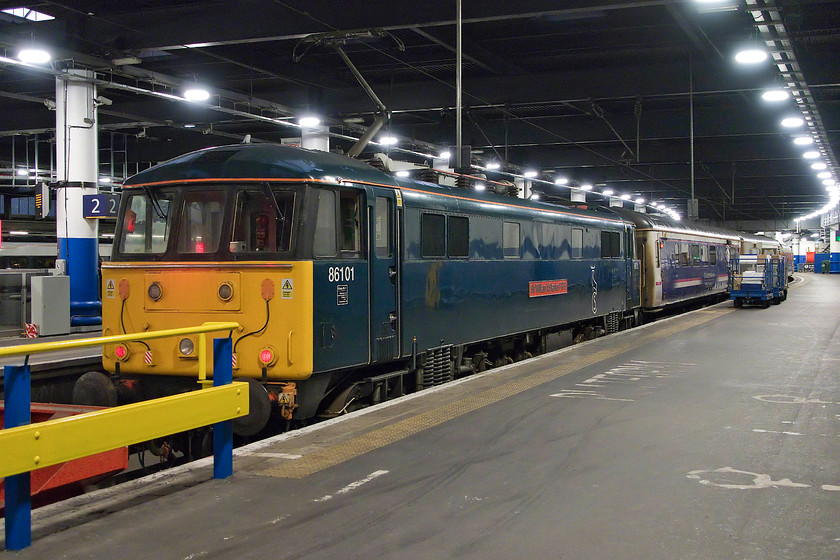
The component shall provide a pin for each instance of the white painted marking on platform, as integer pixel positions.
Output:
(790, 399)
(570, 394)
(353, 485)
(830, 487)
(267, 455)
(760, 431)
(760, 481)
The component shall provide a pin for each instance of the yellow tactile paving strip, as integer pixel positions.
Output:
(380, 437)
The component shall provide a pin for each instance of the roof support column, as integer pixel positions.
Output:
(77, 156)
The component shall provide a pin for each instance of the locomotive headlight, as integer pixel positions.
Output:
(186, 347)
(226, 291)
(155, 291)
(121, 352)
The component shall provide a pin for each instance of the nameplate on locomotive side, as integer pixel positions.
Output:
(547, 288)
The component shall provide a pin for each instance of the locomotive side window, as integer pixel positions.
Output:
(432, 235)
(145, 227)
(201, 221)
(382, 227)
(260, 224)
(577, 243)
(511, 240)
(610, 244)
(325, 238)
(458, 237)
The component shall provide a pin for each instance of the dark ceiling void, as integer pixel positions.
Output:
(642, 98)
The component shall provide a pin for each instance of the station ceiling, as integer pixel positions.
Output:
(615, 94)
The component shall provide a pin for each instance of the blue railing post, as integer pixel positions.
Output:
(18, 487)
(222, 431)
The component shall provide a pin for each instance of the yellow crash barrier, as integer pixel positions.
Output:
(48, 443)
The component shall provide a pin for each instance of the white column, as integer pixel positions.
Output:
(77, 151)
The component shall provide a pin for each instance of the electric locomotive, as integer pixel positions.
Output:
(350, 286)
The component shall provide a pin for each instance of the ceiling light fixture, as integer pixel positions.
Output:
(819, 166)
(309, 122)
(34, 56)
(775, 95)
(530, 174)
(625, 196)
(493, 165)
(803, 140)
(792, 122)
(586, 187)
(388, 140)
(640, 200)
(751, 55)
(196, 94)
(561, 181)
(811, 155)
(607, 192)
(824, 175)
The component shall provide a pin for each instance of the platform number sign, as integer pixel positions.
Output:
(100, 205)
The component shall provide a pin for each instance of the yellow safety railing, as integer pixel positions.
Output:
(28, 447)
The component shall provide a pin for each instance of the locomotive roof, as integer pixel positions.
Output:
(265, 161)
(259, 162)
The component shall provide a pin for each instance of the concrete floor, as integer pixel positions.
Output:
(713, 435)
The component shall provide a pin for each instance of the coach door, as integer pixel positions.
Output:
(633, 272)
(384, 277)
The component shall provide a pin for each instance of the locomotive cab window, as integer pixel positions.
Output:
(338, 228)
(350, 222)
(432, 235)
(200, 226)
(146, 224)
(263, 221)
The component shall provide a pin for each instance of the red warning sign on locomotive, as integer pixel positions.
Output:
(547, 288)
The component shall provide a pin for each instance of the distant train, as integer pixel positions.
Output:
(352, 286)
(37, 254)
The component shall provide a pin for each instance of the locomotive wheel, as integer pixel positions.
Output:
(259, 409)
(739, 302)
(94, 389)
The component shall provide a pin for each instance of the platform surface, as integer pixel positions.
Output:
(712, 435)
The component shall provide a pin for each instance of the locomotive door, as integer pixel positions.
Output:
(384, 278)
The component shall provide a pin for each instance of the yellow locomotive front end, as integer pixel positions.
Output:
(189, 252)
(271, 301)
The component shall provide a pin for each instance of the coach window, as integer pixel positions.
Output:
(201, 221)
(432, 235)
(349, 217)
(458, 237)
(382, 227)
(512, 241)
(712, 255)
(695, 254)
(704, 254)
(685, 255)
(325, 237)
(577, 243)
